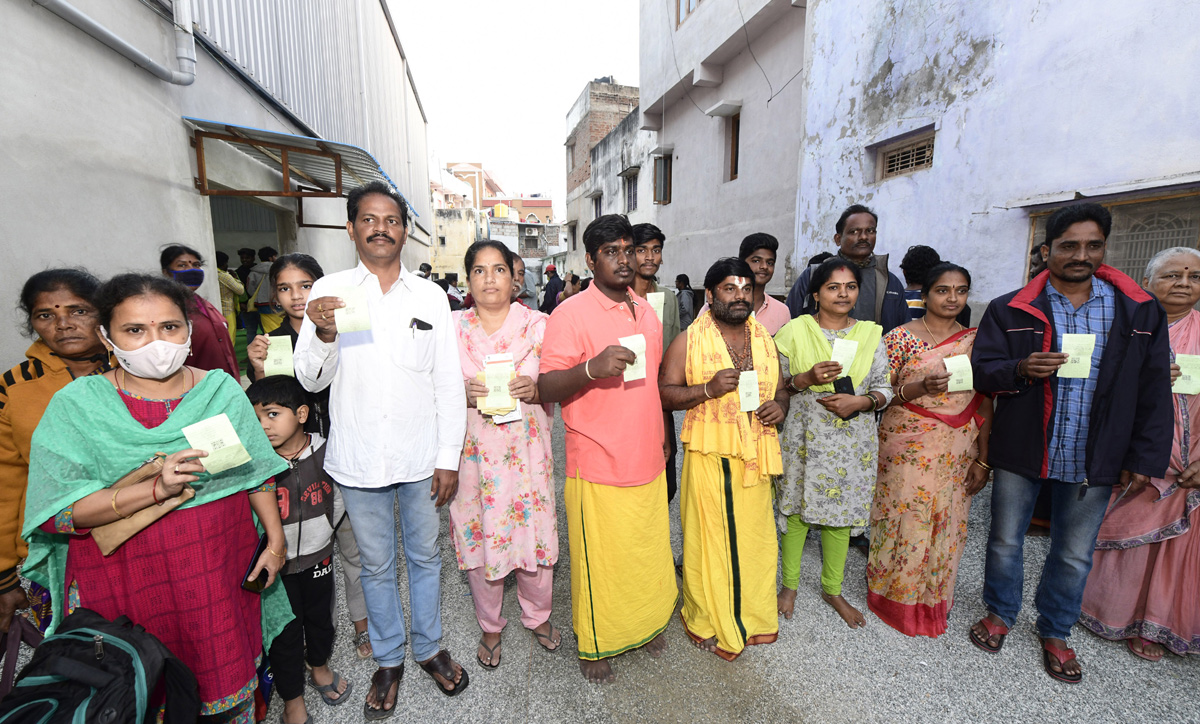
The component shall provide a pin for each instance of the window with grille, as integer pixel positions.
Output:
(1141, 229)
(662, 179)
(906, 158)
(631, 192)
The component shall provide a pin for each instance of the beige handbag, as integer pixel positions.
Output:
(111, 536)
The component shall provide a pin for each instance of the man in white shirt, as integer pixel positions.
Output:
(398, 417)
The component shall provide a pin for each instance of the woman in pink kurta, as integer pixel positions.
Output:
(503, 518)
(1144, 586)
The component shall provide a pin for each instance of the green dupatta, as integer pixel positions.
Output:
(804, 344)
(87, 440)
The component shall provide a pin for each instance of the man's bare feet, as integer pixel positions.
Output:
(656, 646)
(786, 601)
(709, 644)
(851, 615)
(597, 672)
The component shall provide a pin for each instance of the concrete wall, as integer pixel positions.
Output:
(461, 227)
(709, 214)
(1032, 103)
(99, 170)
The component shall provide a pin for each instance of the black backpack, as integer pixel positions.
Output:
(101, 672)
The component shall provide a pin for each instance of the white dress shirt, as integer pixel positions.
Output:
(397, 408)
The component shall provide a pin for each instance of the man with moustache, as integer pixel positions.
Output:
(1105, 420)
(622, 575)
(398, 417)
(759, 250)
(881, 296)
(648, 242)
(725, 372)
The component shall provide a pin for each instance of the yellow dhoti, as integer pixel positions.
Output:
(729, 555)
(622, 573)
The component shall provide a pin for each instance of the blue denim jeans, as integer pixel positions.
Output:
(371, 510)
(1074, 524)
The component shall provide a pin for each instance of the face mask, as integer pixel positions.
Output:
(156, 361)
(192, 278)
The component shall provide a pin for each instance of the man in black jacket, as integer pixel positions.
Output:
(1079, 363)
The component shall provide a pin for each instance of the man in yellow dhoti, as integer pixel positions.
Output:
(725, 372)
(600, 359)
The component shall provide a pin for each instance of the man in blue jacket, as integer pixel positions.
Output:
(1104, 419)
(881, 295)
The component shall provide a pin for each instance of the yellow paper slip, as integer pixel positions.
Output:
(355, 316)
(635, 343)
(496, 377)
(279, 357)
(657, 299)
(748, 390)
(961, 376)
(1189, 377)
(1079, 348)
(844, 351)
(217, 437)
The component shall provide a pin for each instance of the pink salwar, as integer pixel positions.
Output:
(535, 589)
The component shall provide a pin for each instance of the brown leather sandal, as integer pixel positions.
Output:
(382, 681)
(442, 665)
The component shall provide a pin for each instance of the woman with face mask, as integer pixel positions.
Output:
(212, 348)
(180, 576)
(59, 315)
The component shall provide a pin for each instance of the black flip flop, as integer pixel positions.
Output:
(442, 664)
(382, 680)
(491, 652)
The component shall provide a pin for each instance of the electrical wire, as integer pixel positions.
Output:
(671, 37)
(746, 33)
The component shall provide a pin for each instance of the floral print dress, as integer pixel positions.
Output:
(503, 516)
(829, 464)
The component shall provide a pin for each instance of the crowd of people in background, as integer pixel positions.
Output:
(865, 407)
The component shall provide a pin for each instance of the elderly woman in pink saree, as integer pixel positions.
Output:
(1144, 586)
(503, 517)
(932, 459)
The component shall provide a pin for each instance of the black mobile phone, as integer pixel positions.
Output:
(845, 386)
(258, 584)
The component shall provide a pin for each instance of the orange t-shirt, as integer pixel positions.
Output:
(614, 428)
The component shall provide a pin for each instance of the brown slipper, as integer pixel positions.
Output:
(442, 665)
(382, 681)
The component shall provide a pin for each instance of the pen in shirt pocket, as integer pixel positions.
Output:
(416, 324)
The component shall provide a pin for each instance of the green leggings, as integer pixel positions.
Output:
(835, 544)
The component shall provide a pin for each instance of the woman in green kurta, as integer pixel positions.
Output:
(829, 459)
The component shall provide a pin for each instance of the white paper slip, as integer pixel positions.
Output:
(1189, 375)
(279, 358)
(748, 390)
(635, 343)
(217, 437)
(510, 417)
(1079, 347)
(843, 353)
(355, 316)
(961, 376)
(657, 299)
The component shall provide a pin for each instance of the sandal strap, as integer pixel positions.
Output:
(384, 677)
(1063, 655)
(440, 664)
(993, 629)
(362, 637)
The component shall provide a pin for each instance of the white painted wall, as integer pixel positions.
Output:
(708, 215)
(1031, 99)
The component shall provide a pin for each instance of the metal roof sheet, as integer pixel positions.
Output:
(359, 167)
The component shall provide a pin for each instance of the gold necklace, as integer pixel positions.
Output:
(936, 341)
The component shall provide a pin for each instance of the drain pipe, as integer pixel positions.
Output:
(185, 43)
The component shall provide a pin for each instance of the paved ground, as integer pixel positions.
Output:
(819, 670)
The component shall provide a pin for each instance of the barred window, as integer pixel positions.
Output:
(913, 155)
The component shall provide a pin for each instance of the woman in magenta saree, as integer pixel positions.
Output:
(1144, 586)
(932, 459)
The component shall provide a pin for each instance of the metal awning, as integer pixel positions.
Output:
(317, 167)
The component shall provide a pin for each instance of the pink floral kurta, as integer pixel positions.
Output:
(503, 517)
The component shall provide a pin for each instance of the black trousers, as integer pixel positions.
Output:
(309, 636)
(671, 476)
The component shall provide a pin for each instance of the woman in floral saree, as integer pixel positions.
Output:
(932, 459)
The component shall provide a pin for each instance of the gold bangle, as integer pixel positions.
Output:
(900, 393)
(120, 515)
(277, 555)
(983, 465)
